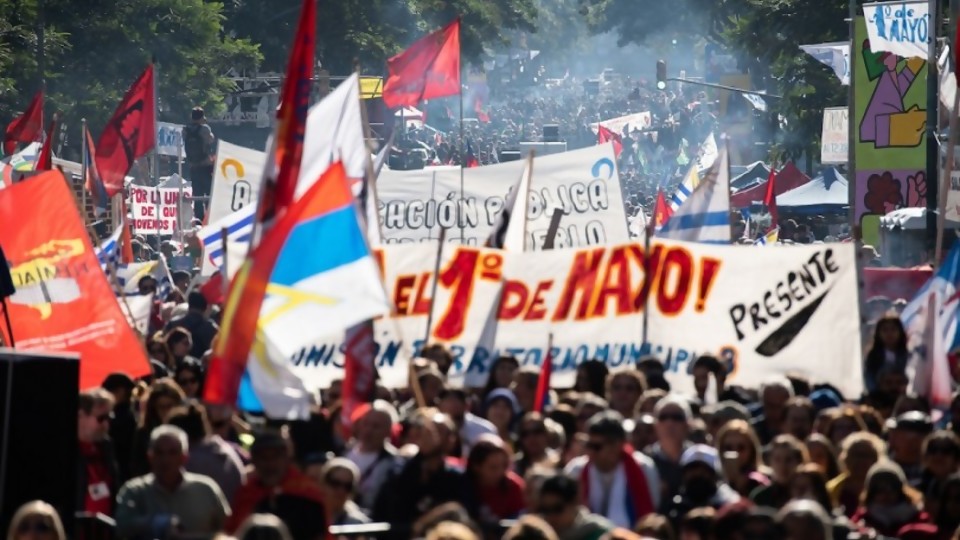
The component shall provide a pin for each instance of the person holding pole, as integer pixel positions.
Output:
(198, 144)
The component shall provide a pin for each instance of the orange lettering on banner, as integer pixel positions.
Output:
(459, 276)
(709, 268)
(650, 262)
(677, 270)
(537, 310)
(615, 284)
(513, 299)
(421, 304)
(401, 294)
(581, 280)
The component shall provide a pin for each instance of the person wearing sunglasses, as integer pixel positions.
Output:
(618, 483)
(36, 520)
(339, 482)
(559, 505)
(672, 426)
(98, 475)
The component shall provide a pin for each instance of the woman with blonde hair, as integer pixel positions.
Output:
(36, 520)
(739, 448)
(859, 452)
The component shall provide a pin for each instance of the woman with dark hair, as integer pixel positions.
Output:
(889, 350)
(162, 397)
(502, 409)
(810, 483)
(887, 503)
(945, 507)
(501, 374)
(592, 378)
(189, 376)
(787, 454)
(499, 492)
(941, 458)
(179, 342)
(533, 444)
(824, 454)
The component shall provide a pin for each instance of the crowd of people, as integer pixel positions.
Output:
(618, 455)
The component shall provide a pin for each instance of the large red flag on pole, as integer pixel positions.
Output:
(661, 211)
(239, 322)
(129, 134)
(25, 128)
(45, 159)
(605, 135)
(770, 199)
(429, 69)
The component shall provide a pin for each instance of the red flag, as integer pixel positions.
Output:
(63, 301)
(126, 239)
(45, 159)
(482, 116)
(359, 370)
(605, 135)
(542, 396)
(212, 290)
(130, 133)
(280, 183)
(471, 157)
(661, 211)
(770, 199)
(429, 69)
(25, 128)
(92, 183)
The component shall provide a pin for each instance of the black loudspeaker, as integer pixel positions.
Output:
(38, 438)
(551, 133)
(509, 155)
(6, 282)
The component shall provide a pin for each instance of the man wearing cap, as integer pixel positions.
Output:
(372, 452)
(616, 482)
(907, 433)
(277, 487)
(701, 484)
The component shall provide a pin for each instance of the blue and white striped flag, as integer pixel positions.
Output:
(108, 253)
(706, 158)
(705, 215)
(239, 226)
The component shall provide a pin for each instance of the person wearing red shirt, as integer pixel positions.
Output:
(97, 472)
(277, 487)
(498, 491)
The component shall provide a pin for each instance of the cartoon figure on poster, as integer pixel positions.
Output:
(888, 122)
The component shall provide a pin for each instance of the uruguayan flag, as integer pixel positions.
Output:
(705, 215)
(706, 157)
(109, 251)
(239, 226)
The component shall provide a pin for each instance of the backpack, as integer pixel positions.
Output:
(194, 144)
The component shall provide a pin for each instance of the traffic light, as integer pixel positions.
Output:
(661, 74)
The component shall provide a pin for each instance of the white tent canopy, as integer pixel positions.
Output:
(827, 192)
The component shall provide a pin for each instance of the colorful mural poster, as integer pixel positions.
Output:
(890, 115)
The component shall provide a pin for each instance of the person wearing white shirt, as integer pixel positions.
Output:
(453, 402)
(372, 452)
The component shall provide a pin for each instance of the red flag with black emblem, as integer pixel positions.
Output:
(130, 133)
(25, 128)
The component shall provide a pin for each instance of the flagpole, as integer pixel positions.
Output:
(156, 142)
(945, 181)
(83, 166)
(463, 158)
(225, 281)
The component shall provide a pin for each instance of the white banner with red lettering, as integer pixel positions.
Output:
(155, 209)
(762, 312)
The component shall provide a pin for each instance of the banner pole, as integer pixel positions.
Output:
(436, 281)
(945, 182)
(225, 282)
(463, 160)
(933, 117)
(83, 166)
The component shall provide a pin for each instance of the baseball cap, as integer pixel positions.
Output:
(701, 453)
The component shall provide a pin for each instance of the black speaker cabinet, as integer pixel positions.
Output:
(38, 437)
(509, 155)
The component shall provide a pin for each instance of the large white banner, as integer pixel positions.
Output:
(584, 184)
(155, 210)
(835, 140)
(641, 121)
(902, 28)
(170, 139)
(236, 179)
(762, 312)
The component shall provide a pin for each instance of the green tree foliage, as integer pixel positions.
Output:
(95, 52)
(765, 35)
